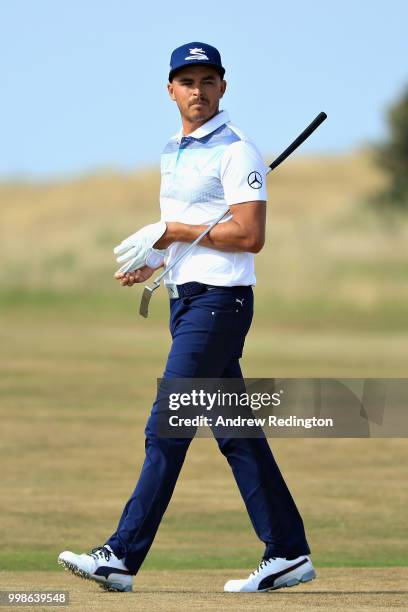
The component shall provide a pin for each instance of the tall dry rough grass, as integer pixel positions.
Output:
(323, 244)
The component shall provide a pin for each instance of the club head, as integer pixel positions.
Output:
(145, 301)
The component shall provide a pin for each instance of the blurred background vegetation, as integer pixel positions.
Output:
(392, 157)
(329, 262)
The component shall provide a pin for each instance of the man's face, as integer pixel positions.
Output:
(197, 91)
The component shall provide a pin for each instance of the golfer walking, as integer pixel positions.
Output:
(208, 166)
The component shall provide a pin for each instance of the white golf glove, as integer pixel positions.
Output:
(137, 250)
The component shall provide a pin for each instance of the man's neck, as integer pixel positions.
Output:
(189, 127)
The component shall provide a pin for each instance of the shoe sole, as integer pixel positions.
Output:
(106, 586)
(307, 577)
(290, 582)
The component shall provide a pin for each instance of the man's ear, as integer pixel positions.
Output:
(170, 89)
(223, 87)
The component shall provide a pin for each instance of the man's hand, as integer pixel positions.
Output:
(137, 250)
(138, 276)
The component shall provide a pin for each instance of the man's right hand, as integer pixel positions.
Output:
(138, 276)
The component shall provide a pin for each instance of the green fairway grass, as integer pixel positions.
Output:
(76, 391)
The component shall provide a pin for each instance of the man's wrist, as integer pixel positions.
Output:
(169, 236)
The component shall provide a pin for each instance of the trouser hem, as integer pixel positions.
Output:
(286, 554)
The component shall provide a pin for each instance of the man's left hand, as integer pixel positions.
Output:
(134, 251)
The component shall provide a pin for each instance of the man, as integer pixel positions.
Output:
(208, 166)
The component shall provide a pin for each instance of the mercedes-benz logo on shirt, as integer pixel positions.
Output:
(255, 180)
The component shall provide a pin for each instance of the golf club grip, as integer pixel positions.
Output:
(298, 141)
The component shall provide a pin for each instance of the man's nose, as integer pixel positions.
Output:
(196, 90)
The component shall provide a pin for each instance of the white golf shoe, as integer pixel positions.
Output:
(274, 573)
(100, 565)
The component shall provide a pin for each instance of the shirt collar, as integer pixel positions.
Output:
(207, 128)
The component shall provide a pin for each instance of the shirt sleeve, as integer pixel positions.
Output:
(243, 173)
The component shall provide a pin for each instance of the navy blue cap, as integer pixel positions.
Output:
(195, 53)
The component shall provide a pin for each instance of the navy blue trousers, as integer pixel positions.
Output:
(208, 332)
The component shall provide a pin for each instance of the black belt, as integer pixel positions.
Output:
(193, 288)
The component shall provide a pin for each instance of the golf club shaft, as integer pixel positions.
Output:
(192, 245)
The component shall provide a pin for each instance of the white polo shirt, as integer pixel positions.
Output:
(201, 174)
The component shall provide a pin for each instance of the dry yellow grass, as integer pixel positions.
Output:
(335, 589)
(327, 259)
(61, 235)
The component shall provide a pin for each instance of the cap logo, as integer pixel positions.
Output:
(196, 54)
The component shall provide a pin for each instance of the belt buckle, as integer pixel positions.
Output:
(172, 291)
